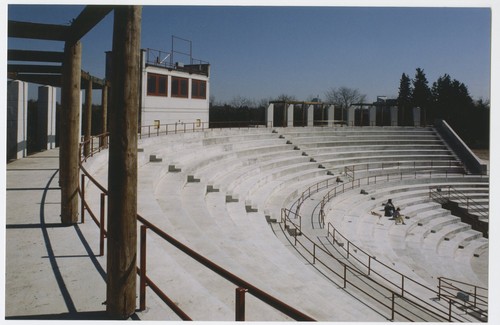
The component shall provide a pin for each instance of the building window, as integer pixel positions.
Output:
(157, 85)
(199, 89)
(179, 87)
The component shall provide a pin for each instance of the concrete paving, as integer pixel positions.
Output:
(51, 270)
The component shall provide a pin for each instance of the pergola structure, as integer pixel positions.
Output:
(288, 113)
(64, 71)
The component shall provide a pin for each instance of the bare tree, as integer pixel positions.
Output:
(240, 101)
(344, 97)
(286, 98)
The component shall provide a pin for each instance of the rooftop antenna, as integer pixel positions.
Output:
(161, 62)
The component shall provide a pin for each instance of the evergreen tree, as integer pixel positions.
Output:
(421, 95)
(404, 99)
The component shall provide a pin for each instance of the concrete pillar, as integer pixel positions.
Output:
(351, 115)
(270, 115)
(310, 115)
(122, 170)
(394, 116)
(331, 115)
(69, 154)
(289, 115)
(373, 115)
(47, 117)
(104, 114)
(87, 129)
(17, 119)
(416, 116)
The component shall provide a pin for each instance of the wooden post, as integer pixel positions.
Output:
(88, 117)
(69, 152)
(104, 117)
(122, 172)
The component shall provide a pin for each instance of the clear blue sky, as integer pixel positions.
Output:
(262, 52)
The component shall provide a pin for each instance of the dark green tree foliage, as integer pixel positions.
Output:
(231, 116)
(404, 99)
(449, 99)
(453, 103)
(421, 95)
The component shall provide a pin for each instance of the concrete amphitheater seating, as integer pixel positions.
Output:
(216, 190)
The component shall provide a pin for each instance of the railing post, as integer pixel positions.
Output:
(369, 264)
(449, 310)
(101, 225)
(439, 288)
(475, 296)
(345, 276)
(314, 253)
(240, 304)
(142, 283)
(83, 198)
(402, 285)
(392, 306)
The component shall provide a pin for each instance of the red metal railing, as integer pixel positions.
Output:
(242, 287)
(175, 128)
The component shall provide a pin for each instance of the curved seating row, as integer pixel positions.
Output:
(217, 190)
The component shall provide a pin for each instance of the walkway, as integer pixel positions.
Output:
(51, 269)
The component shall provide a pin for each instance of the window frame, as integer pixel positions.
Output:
(178, 82)
(157, 78)
(199, 82)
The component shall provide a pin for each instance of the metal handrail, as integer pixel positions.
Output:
(175, 128)
(454, 290)
(355, 183)
(400, 291)
(242, 285)
(479, 299)
(437, 191)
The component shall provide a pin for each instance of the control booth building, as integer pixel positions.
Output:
(173, 92)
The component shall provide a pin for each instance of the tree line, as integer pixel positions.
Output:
(446, 98)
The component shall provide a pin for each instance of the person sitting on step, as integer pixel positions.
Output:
(398, 217)
(388, 208)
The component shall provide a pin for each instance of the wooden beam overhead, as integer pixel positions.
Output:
(22, 29)
(34, 56)
(31, 68)
(53, 80)
(86, 20)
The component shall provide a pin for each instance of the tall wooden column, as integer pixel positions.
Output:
(122, 172)
(88, 117)
(104, 111)
(70, 127)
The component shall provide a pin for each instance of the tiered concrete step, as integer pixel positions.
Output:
(248, 246)
(241, 189)
(193, 219)
(412, 198)
(220, 177)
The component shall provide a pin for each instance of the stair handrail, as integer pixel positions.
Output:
(340, 187)
(447, 191)
(460, 292)
(287, 221)
(242, 285)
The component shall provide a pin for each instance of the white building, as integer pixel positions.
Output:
(173, 92)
